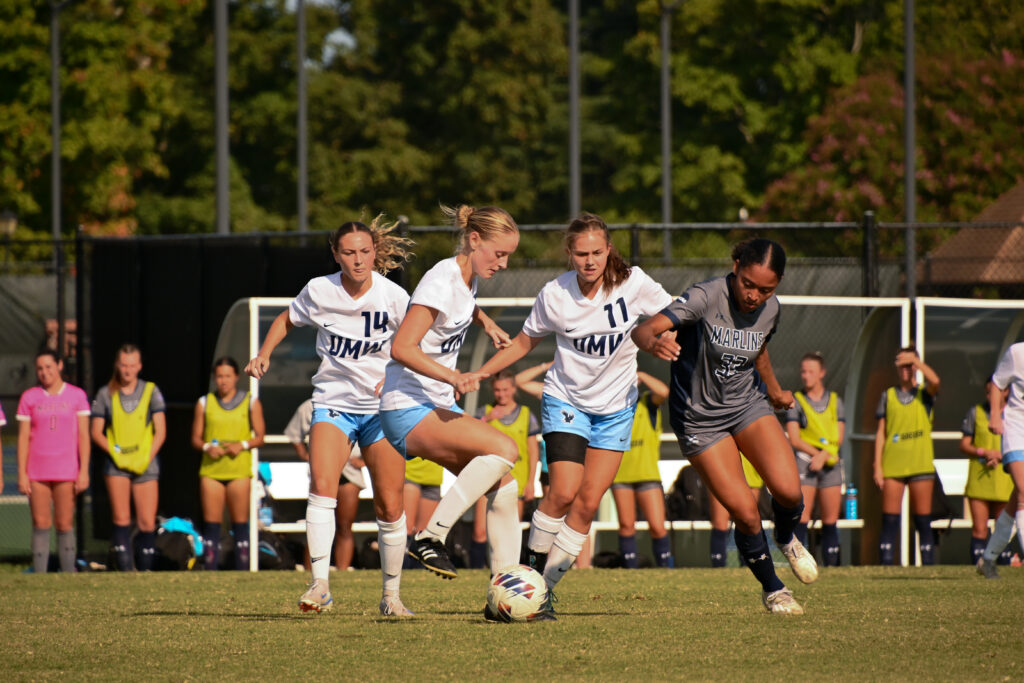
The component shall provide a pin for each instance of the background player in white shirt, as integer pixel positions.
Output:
(418, 410)
(356, 312)
(590, 392)
(1008, 422)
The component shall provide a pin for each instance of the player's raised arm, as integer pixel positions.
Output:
(279, 329)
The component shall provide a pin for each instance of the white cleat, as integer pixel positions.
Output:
(801, 561)
(391, 606)
(317, 597)
(781, 602)
(987, 568)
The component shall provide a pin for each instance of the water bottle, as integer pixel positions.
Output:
(266, 516)
(851, 503)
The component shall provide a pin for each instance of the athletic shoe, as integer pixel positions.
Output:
(987, 568)
(781, 602)
(432, 554)
(317, 597)
(801, 561)
(391, 606)
(547, 610)
(537, 560)
(489, 614)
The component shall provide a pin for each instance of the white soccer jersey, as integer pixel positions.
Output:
(443, 289)
(353, 338)
(1010, 373)
(595, 358)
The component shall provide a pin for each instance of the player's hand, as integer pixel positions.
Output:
(379, 389)
(466, 382)
(995, 424)
(782, 401)
(257, 367)
(993, 458)
(233, 449)
(818, 461)
(82, 483)
(529, 494)
(906, 358)
(24, 485)
(665, 346)
(357, 462)
(498, 336)
(879, 479)
(216, 452)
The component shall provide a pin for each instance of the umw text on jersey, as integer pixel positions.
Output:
(598, 344)
(739, 340)
(341, 347)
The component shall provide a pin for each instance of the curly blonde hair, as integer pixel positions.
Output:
(391, 249)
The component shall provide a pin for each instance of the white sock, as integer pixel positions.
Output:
(1000, 536)
(543, 530)
(504, 537)
(567, 547)
(1020, 526)
(476, 477)
(391, 541)
(320, 533)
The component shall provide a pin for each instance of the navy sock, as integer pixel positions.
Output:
(830, 544)
(241, 533)
(663, 552)
(754, 550)
(627, 547)
(926, 538)
(146, 551)
(801, 533)
(477, 554)
(122, 543)
(977, 548)
(1006, 556)
(887, 542)
(786, 520)
(211, 545)
(719, 539)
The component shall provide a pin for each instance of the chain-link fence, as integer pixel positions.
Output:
(169, 295)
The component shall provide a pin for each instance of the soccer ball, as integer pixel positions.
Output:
(516, 593)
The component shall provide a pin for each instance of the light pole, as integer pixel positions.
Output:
(300, 17)
(55, 185)
(666, 125)
(574, 108)
(909, 144)
(220, 61)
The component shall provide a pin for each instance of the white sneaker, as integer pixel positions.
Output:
(317, 597)
(391, 606)
(987, 568)
(800, 561)
(781, 602)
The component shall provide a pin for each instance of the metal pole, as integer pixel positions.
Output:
(909, 185)
(666, 131)
(870, 246)
(220, 20)
(574, 108)
(300, 14)
(55, 171)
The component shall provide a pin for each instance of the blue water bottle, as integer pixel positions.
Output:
(851, 503)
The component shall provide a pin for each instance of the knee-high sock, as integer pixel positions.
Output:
(391, 542)
(211, 546)
(977, 549)
(800, 531)
(719, 539)
(786, 520)
(320, 533)
(627, 548)
(663, 552)
(754, 551)
(567, 547)
(67, 549)
(476, 477)
(504, 537)
(146, 554)
(543, 530)
(1001, 535)
(241, 533)
(830, 544)
(122, 542)
(887, 541)
(1020, 526)
(926, 538)
(40, 550)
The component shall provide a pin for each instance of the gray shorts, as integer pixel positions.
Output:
(152, 472)
(696, 437)
(637, 486)
(826, 477)
(427, 491)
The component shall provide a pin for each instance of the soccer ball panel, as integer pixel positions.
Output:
(516, 593)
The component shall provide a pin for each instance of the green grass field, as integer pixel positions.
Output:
(942, 623)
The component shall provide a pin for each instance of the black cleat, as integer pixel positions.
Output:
(489, 615)
(432, 554)
(538, 561)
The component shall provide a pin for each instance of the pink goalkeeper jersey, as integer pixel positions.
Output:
(53, 438)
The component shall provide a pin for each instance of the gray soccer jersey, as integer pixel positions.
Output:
(714, 382)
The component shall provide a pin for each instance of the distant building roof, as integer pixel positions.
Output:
(984, 256)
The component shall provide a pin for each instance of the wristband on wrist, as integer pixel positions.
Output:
(207, 446)
(245, 445)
